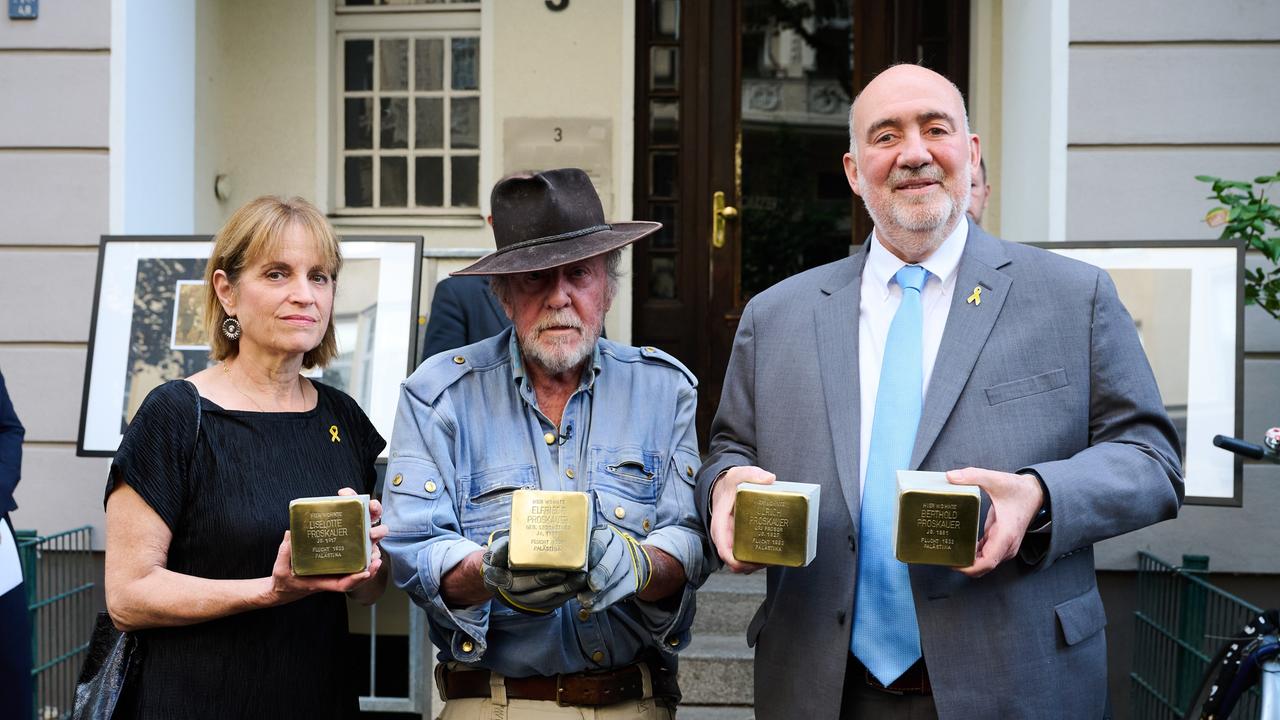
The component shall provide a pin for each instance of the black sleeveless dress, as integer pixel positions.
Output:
(224, 494)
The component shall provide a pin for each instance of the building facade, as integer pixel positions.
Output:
(130, 117)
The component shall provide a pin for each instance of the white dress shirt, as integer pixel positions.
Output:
(880, 299)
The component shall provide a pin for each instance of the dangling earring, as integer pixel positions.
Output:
(231, 328)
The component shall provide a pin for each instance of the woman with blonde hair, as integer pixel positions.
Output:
(198, 553)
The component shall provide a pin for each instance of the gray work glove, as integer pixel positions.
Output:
(617, 568)
(536, 592)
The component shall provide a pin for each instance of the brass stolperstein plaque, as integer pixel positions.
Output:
(329, 535)
(937, 522)
(550, 530)
(775, 524)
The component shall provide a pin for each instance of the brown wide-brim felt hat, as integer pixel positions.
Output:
(547, 219)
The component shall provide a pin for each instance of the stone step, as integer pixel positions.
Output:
(714, 712)
(727, 602)
(717, 670)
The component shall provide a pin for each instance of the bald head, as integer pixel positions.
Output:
(894, 82)
(910, 158)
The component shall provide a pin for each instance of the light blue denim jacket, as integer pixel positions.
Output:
(468, 432)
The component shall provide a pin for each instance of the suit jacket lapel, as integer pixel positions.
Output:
(968, 326)
(836, 321)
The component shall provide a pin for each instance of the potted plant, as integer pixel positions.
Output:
(1246, 214)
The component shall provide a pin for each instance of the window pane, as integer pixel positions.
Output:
(664, 122)
(466, 63)
(466, 181)
(662, 278)
(394, 189)
(666, 19)
(358, 123)
(429, 176)
(662, 175)
(395, 122)
(359, 65)
(394, 61)
(664, 68)
(359, 181)
(464, 123)
(429, 127)
(429, 64)
(664, 213)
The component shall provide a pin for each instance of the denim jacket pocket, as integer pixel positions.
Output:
(487, 503)
(413, 485)
(628, 471)
(631, 516)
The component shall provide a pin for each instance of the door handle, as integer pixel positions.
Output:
(719, 214)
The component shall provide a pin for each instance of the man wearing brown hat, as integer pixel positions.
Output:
(550, 405)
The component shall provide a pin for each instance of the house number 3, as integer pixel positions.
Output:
(558, 134)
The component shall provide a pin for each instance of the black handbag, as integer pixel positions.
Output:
(109, 670)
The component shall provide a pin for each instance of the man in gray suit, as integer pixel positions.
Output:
(938, 347)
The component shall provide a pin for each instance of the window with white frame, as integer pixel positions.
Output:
(408, 107)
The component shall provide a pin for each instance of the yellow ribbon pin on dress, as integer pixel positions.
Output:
(333, 434)
(976, 297)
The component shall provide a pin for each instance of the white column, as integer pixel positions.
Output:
(1033, 177)
(153, 117)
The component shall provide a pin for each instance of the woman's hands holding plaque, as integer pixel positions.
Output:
(536, 592)
(365, 585)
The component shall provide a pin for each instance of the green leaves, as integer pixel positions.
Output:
(1246, 214)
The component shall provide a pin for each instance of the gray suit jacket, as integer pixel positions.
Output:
(1045, 373)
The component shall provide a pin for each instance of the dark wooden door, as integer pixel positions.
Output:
(741, 124)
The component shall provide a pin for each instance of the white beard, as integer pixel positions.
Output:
(932, 217)
(559, 355)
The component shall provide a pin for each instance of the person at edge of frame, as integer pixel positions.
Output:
(15, 621)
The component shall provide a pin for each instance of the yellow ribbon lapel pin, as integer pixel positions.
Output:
(976, 297)
(333, 434)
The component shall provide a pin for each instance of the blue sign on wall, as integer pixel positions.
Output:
(24, 9)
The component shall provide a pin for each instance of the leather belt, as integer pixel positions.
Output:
(605, 687)
(915, 681)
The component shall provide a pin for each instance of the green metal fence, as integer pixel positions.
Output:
(1181, 622)
(58, 571)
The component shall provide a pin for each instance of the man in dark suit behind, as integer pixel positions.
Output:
(463, 311)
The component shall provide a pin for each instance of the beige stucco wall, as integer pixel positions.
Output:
(54, 79)
(263, 74)
(255, 102)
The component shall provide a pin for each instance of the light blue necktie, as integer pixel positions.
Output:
(886, 638)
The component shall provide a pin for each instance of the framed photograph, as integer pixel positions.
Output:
(1187, 303)
(148, 327)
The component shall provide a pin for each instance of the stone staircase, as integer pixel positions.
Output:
(715, 670)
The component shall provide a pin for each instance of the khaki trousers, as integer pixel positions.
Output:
(499, 707)
(487, 709)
